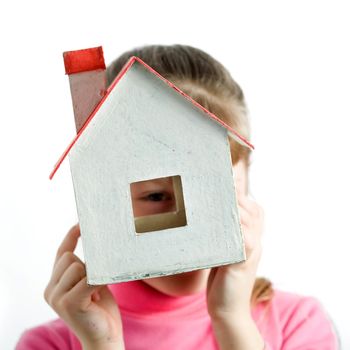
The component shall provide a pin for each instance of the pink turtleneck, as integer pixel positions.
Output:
(155, 321)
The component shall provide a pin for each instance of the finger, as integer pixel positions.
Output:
(244, 216)
(250, 205)
(82, 293)
(251, 229)
(240, 190)
(248, 242)
(105, 297)
(74, 273)
(239, 170)
(62, 264)
(69, 242)
(244, 201)
(211, 276)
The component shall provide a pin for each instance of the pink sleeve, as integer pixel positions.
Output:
(306, 327)
(49, 336)
(309, 327)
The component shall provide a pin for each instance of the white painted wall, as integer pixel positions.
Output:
(292, 60)
(111, 153)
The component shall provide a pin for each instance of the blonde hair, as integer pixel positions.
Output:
(209, 83)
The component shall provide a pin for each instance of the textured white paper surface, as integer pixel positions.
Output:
(146, 130)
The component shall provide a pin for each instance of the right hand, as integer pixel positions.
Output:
(90, 311)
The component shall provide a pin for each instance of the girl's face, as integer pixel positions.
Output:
(157, 196)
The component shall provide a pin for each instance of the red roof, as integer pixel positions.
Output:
(115, 82)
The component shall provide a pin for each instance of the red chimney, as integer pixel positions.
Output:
(87, 79)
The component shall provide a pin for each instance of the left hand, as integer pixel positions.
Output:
(230, 287)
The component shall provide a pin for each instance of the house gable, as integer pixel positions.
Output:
(231, 132)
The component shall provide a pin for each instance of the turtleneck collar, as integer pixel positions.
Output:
(140, 298)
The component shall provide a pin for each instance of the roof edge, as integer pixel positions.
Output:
(82, 129)
(231, 132)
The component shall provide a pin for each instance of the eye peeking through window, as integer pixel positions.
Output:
(158, 204)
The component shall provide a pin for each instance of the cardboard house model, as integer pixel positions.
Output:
(144, 131)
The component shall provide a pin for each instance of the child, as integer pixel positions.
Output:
(221, 308)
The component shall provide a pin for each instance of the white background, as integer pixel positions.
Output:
(291, 59)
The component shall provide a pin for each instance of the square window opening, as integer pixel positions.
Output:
(158, 204)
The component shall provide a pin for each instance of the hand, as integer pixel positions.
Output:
(230, 287)
(90, 311)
